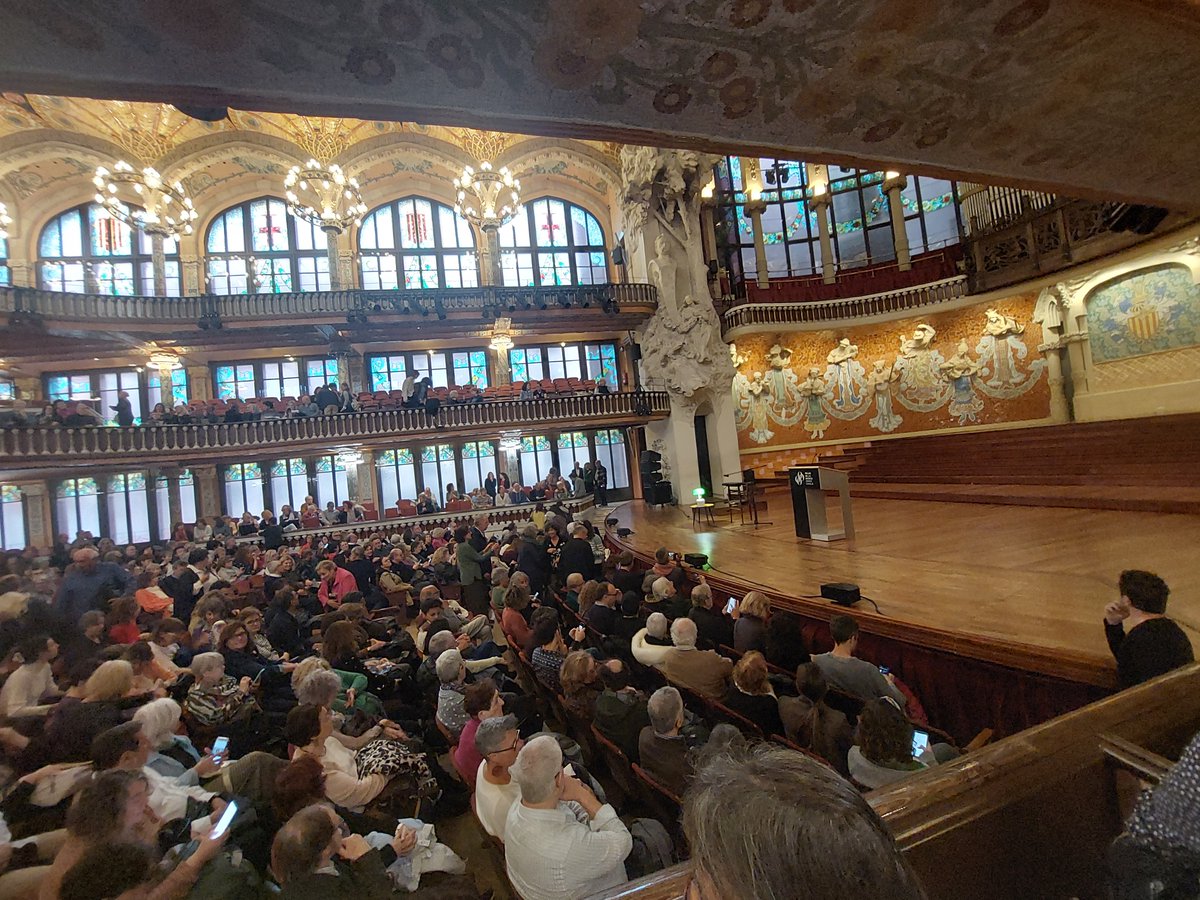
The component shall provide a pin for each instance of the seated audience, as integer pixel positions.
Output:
(785, 642)
(603, 614)
(548, 852)
(336, 583)
(811, 723)
(662, 747)
(498, 741)
(883, 749)
(1153, 644)
(515, 620)
(216, 699)
(581, 684)
(750, 629)
(750, 693)
(850, 675)
(704, 671)
(765, 821)
(714, 627)
(620, 713)
(24, 689)
(452, 695)
(481, 702)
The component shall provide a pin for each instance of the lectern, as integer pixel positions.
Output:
(809, 484)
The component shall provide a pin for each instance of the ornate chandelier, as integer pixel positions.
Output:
(323, 195)
(510, 440)
(166, 362)
(502, 335)
(143, 200)
(487, 198)
(5, 221)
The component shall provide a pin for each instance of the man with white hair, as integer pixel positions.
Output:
(662, 747)
(703, 671)
(90, 584)
(549, 853)
(713, 625)
(651, 645)
(498, 741)
(665, 597)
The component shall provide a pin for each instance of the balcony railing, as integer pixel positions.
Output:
(25, 447)
(902, 300)
(214, 307)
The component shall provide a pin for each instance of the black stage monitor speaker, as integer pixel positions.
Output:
(662, 493)
(635, 352)
(841, 593)
(696, 560)
(611, 520)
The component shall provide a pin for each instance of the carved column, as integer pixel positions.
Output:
(893, 184)
(755, 209)
(332, 236)
(501, 367)
(1049, 313)
(208, 490)
(489, 256)
(191, 273)
(174, 501)
(683, 352)
(360, 479)
(820, 205)
(199, 383)
(21, 270)
(158, 263)
(38, 517)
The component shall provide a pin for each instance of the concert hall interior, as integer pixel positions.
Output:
(570, 449)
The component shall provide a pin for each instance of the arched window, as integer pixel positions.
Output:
(416, 243)
(259, 247)
(87, 241)
(552, 242)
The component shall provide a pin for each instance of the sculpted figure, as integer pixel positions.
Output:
(812, 391)
(880, 381)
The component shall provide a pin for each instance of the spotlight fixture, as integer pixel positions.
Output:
(440, 309)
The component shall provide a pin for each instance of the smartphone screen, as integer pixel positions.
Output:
(225, 821)
(883, 670)
(731, 605)
(220, 745)
(920, 742)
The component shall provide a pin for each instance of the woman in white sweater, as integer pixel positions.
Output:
(32, 681)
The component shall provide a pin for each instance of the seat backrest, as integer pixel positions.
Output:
(391, 513)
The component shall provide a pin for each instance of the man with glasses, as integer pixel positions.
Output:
(603, 615)
(498, 742)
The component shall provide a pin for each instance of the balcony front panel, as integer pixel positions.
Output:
(34, 448)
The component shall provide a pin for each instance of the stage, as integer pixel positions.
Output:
(1021, 578)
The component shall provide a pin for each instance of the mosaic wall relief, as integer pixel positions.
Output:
(1145, 312)
(969, 367)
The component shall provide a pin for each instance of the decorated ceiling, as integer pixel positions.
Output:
(1077, 96)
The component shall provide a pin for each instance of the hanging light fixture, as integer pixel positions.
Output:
(166, 362)
(323, 195)
(143, 200)
(5, 221)
(487, 197)
(510, 440)
(501, 335)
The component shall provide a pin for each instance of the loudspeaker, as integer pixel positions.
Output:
(841, 593)
(650, 463)
(618, 255)
(696, 560)
(635, 352)
(662, 493)
(611, 520)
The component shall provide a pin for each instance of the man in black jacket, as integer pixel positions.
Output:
(576, 555)
(1153, 645)
(271, 531)
(327, 399)
(713, 625)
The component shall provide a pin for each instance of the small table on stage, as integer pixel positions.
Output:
(702, 508)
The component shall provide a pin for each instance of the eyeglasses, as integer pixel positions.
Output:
(343, 829)
(514, 746)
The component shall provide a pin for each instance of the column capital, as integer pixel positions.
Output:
(894, 181)
(755, 207)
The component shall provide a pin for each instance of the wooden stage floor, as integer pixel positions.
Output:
(1035, 576)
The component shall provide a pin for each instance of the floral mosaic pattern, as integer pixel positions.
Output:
(1146, 312)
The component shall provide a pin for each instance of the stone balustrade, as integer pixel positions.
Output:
(32, 447)
(749, 316)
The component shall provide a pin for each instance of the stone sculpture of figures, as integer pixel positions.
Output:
(842, 359)
(919, 379)
(880, 381)
(998, 347)
(812, 391)
(737, 357)
(760, 403)
(781, 379)
(959, 370)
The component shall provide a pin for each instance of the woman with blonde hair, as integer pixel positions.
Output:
(750, 629)
(750, 693)
(580, 677)
(589, 594)
(74, 724)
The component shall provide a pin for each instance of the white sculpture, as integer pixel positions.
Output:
(998, 348)
(812, 390)
(682, 343)
(880, 381)
(845, 373)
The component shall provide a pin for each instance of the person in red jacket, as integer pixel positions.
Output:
(336, 583)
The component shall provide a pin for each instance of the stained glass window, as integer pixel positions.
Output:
(128, 512)
(388, 371)
(602, 364)
(330, 476)
(12, 518)
(162, 502)
(610, 450)
(243, 489)
(416, 243)
(7, 388)
(103, 387)
(397, 475)
(565, 360)
(235, 380)
(553, 242)
(536, 457)
(439, 469)
(931, 213)
(5, 271)
(289, 483)
(87, 240)
(319, 372)
(478, 461)
(179, 388)
(260, 247)
(470, 367)
(77, 507)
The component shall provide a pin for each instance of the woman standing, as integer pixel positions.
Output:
(489, 485)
